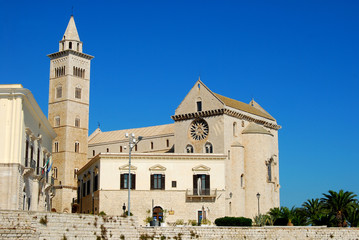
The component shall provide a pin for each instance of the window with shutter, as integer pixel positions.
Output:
(157, 181)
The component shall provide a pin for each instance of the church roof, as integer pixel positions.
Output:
(255, 128)
(244, 107)
(119, 135)
(71, 31)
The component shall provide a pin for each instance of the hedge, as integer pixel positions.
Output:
(233, 221)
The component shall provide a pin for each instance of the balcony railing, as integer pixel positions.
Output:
(201, 195)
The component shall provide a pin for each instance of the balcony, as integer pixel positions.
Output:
(201, 195)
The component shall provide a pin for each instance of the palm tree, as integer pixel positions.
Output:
(353, 215)
(339, 204)
(314, 211)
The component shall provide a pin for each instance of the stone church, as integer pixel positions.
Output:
(218, 158)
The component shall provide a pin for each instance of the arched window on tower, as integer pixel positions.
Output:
(57, 121)
(151, 145)
(208, 148)
(78, 92)
(78, 46)
(56, 147)
(55, 173)
(77, 122)
(59, 91)
(93, 153)
(77, 147)
(234, 129)
(189, 148)
(70, 45)
(168, 143)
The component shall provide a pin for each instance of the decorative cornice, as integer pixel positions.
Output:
(67, 52)
(194, 115)
(228, 112)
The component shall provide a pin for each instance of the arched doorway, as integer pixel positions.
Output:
(157, 214)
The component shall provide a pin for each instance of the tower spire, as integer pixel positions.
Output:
(71, 38)
(71, 31)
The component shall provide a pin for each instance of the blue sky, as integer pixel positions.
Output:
(298, 59)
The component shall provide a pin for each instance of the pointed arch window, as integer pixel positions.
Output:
(189, 148)
(120, 148)
(151, 145)
(168, 143)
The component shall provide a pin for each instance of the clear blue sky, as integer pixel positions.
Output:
(298, 59)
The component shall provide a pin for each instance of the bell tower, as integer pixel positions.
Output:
(69, 92)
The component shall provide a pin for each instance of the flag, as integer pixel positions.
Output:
(49, 168)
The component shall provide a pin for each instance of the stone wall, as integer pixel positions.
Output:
(43, 225)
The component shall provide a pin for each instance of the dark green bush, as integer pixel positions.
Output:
(281, 222)
(233, 221)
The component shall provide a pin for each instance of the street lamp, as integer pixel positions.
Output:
(132, 142)
(258, 196)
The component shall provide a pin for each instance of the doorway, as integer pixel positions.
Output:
(157, 214)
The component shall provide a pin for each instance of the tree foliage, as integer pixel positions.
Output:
(335, 209)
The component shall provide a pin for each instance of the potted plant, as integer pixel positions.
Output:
(205, 222)
(179, 223)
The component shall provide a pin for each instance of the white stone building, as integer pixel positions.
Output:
(25, 148)
(212, 161)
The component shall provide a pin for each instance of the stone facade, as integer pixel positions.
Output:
(35, 225)
(25, 149)
(68, 114)
(213, 161)
(217, 157)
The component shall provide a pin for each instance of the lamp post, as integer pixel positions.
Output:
(132, 142)
(258, 196)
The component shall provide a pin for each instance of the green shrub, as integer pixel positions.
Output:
(233, 221)
(281, 222)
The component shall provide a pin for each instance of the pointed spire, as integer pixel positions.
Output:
(71, 31)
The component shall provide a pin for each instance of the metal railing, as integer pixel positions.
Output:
(201, 192)
(201, 195)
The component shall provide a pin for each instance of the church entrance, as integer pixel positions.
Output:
(157, 214)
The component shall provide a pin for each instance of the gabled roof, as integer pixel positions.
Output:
(243, 107)
(119, 135)
(71, 31)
